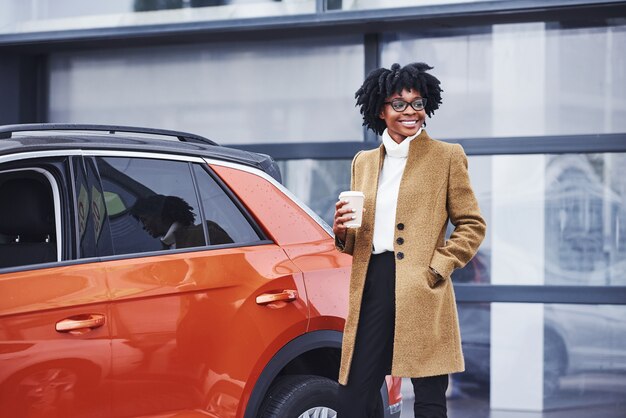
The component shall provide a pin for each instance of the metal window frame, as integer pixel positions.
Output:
(557, 144)
(580, 295)
(323, 22)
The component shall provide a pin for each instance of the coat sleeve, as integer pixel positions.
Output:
(464, 213)
(348, 246)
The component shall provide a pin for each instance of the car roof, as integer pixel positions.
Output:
(15, 139)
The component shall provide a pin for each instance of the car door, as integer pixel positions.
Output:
(199, 296)
(54, 337)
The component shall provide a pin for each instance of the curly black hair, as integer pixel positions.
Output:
(170, 208)
(382, 83)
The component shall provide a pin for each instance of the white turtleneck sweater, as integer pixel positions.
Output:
(388, 188)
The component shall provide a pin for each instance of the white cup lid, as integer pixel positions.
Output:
(351, 193)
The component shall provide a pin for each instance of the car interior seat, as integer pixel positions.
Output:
(26, 222)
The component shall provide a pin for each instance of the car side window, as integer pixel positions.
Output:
(225, 222)
(151, 204)
(94, 230)
(28, 233)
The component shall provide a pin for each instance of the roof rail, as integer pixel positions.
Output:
(7, 131)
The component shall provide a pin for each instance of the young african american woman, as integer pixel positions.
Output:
(402, 317)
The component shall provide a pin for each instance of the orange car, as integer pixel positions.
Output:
(151, 273)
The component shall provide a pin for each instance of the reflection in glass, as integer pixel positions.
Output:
(553, 219)
(585, 355)
(151, 204)
(477, 271)
(586, 219)
(224, 221)
(317, 183)
(475, 324)
(244, 92)
(170, 219)
(584, 360)
(521, 79)
(50, 15)
(94, 230)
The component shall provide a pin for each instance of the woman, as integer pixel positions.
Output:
(402, 317)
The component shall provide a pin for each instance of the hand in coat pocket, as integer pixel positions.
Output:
(434, 278)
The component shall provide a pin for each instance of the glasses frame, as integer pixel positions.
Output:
(405, 104)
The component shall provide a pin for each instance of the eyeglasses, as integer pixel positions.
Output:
(399, 105)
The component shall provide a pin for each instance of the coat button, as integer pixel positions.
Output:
(400, 240)
(400, 226)
(400, 256)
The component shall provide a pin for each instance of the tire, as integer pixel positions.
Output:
(301, 396)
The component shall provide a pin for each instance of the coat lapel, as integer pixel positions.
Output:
(372, 170)
(415, 160)
(418, 167)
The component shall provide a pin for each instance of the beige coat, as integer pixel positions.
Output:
(435, 186)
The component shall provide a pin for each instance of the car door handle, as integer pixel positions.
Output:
(284, 296)
(80, 324)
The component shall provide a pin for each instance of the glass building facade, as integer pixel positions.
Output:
(535, 91)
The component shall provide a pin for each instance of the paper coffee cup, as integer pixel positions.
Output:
(355, 201)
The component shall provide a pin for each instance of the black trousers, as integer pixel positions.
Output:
(373, 351)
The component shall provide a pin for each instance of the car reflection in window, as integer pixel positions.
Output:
(171, 220)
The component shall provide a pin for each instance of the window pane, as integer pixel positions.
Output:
(317, 183)
(50, 15)
(569, 360)
(152, 204)
(521, 79)
(224, 221)
(552, 219)
(244, 92)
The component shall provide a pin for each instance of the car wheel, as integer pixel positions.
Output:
(555, 363)
(301, 396)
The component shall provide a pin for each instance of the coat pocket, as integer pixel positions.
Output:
(434, 280)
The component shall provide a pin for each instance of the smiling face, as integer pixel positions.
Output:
(401, 125)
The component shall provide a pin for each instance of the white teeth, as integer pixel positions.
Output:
(409, 123)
